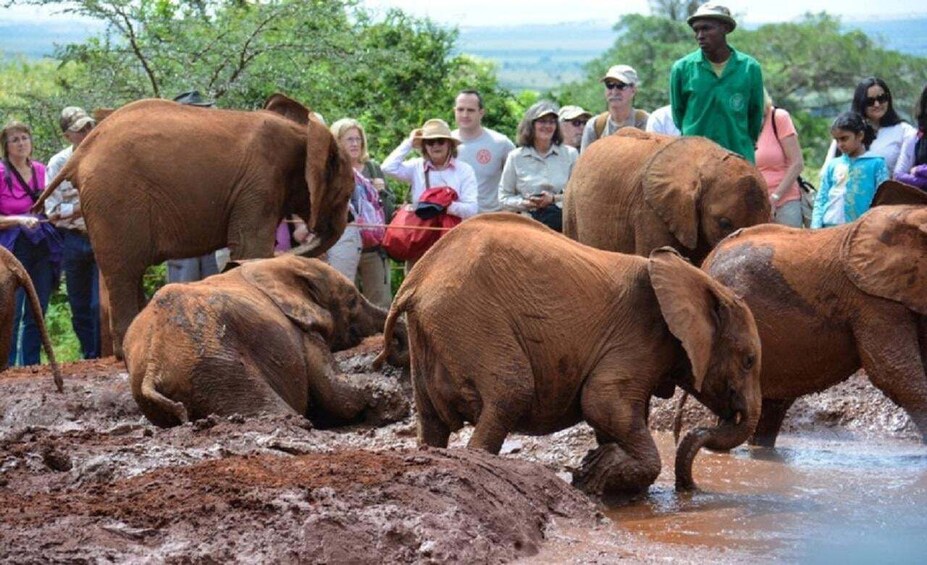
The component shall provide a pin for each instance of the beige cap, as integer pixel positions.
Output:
(433, 129)
(623, 73)
(572, 112)
(74, 119)
(712, 11)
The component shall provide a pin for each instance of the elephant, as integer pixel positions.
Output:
(13, 276)
(256, 339)
(515, 327)
(160, 180)
(633, 192)
(830, 301)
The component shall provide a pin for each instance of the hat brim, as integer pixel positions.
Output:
(586, 115)
(726, 19)
(418, 141)
(81, 123)
(545, 113)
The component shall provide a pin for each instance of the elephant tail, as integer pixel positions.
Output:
(161, 410)
(63, 175)
(400, 305)
(22, 276)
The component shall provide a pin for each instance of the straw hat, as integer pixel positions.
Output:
(433, 129)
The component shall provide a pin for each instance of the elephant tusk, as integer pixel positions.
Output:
(738, 417)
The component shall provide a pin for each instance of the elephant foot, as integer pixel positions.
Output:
(609, 470)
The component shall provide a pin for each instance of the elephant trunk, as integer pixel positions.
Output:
(728, 434)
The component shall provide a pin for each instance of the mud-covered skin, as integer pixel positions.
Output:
(634, 192)
(516, 328)
(257, 339)
(828, 302)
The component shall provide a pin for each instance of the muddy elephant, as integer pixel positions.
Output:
(634, 192)
(160, 180)
(256, 339)
(514, 327)
(830, 301)
(13, 276)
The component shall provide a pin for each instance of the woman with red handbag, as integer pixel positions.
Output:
(437, 169)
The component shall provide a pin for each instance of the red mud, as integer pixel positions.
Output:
(84, 477)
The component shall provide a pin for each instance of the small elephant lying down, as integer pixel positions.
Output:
(257, 339)
(516, 328)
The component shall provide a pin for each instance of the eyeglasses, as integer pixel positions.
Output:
(881, 99)
(616, 85)
(352, 139)
(547, 121)
(578, 123)
(438, 141)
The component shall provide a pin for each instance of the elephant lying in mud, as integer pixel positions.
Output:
(830, 301)
(258, 338)
(193, 180)
(516, 328)
(13, 276)
(633, 192)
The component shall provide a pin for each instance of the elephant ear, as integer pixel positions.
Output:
(285, 280)
(331, 183)
(689, 305)
(885, 255)
(671, 186)
(288, 108)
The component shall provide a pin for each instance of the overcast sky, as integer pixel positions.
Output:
(515, 12)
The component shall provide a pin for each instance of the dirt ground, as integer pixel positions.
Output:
(85, 478)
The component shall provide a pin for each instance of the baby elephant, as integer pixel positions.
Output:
(258, 338)
(516, 328)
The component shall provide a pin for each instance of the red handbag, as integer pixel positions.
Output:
(403, 241)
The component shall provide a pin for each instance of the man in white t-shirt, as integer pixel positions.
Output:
(482, 148)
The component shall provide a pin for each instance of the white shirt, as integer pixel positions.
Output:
(661, 121)
(65, 196)
(457, 175)
(887, 144)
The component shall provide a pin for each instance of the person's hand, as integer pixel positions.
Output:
(379, 184)
(543, 200)
(301, 232)
(416, 133)
(28, 221)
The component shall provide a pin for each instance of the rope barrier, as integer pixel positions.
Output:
(392, 227)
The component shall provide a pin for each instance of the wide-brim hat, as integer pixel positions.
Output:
(712, 11)
(568, 113)
(193, 98)
(74, 119)
(541, 109)
(434, 129)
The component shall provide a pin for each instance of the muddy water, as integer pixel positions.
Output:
(811, 499)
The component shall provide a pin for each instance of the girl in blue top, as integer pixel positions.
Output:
(848, 182)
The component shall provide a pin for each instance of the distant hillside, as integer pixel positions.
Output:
(536, 57)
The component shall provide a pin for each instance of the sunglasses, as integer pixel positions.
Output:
(616, 85)
(881, 99)
(430, 142)
(546, 120)
(578, 123)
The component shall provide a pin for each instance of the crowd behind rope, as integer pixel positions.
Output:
(716, 91)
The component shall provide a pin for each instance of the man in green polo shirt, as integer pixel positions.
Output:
(717, 91)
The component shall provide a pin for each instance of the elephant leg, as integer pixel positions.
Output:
(627, 460)
(771, 417)
(249, 236)
(500, 413)
(891, 354)
(126, 301)
(432, 430)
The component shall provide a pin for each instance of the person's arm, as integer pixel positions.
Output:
(22, 221)
(820, 201)
(394, 165)
(509, 197)
(588, 134)
(467, 203)
(831, 154)
(796, 162)
(677, 97)
(906, 157)
(756, 107)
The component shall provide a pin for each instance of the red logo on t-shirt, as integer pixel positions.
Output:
(483, 156)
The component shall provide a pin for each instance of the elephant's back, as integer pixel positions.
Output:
(604, 190)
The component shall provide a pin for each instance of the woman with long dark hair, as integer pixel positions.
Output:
(911, 167)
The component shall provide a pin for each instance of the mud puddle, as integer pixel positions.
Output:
(809, 500)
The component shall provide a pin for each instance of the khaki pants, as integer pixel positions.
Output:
(373, 278)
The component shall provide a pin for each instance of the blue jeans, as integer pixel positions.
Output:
(35, 259)
(82, 279)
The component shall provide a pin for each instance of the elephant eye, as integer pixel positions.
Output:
(749, 361)
(725, 225)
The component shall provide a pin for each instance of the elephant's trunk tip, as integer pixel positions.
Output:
(685, 456)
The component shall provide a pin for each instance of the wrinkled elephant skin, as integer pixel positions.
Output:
(256, 339)
(517, 328)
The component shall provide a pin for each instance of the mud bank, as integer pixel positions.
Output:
(83, 476)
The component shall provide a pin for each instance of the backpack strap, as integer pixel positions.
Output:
(600, 122)
(640, 117)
